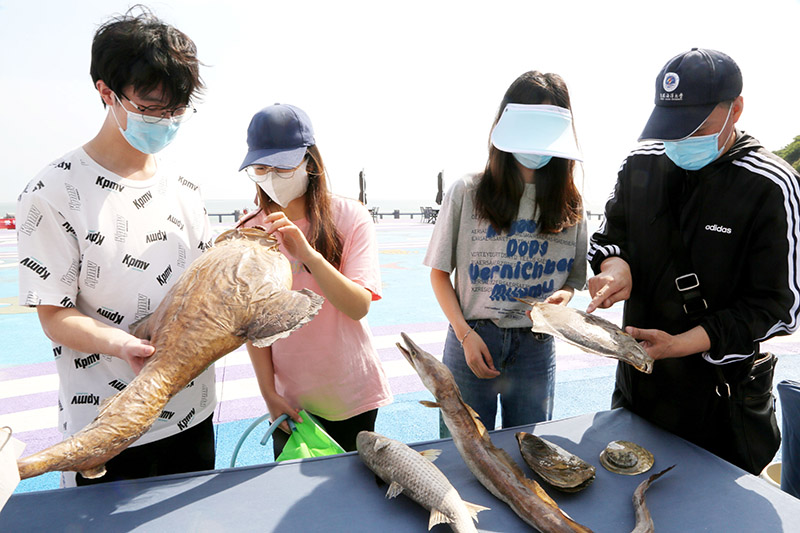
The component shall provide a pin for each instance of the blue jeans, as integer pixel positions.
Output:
(526, 384)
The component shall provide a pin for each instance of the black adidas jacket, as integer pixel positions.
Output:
(740, 222)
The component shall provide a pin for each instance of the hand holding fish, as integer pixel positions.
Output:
(559, 297)
(289, 236)
(661, 345)
(611, 285)
(478, 357)
(72, 328)
(135, 352)
(344, 294)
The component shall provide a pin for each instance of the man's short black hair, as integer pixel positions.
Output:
(137, 49)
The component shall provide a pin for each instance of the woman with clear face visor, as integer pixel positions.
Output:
(329, 367)
(514, 230)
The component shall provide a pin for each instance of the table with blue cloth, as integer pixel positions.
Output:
(339, 493)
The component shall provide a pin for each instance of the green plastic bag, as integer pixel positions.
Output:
(308, 440)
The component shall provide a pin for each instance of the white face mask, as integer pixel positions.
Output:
(283, 190)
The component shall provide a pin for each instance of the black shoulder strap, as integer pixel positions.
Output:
(687, 283)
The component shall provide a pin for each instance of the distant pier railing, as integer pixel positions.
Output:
(236, 215)
(426, 214)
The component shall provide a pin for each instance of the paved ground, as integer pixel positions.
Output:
(28, 383)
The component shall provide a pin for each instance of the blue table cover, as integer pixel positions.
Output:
(339, 494)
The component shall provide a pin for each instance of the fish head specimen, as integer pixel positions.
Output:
(589, 332)
(436, 377)
(238, 290)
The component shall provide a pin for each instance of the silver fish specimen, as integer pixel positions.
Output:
(492, 466)
(588, 332)
(558, 467)
(414, 474)
(644, 522)
(238, 290)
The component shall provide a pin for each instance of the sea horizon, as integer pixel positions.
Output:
(227, 206)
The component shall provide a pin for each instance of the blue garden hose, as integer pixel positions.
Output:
(264, 440)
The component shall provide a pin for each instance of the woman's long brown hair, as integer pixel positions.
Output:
(322, 232)
(500, 187)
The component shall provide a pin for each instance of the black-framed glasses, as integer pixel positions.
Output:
(153, 113)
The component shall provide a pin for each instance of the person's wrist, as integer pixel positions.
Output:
(312, 259)
(462, 338)
(115, 346)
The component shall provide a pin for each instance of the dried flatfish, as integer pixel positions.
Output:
(625, 457)
(644, 522)
(558, 467)
(588, 332)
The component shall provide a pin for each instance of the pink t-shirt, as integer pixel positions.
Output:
(329, 366)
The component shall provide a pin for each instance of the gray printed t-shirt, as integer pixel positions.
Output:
(492, 269)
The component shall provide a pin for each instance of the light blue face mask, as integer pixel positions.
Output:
(148, 137)
(532, 161)
(693, 153)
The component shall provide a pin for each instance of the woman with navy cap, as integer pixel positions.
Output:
(514, 230)
(329, 367)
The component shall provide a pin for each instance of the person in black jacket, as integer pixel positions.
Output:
(700, 239)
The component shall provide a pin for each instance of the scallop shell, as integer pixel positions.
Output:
(558, 467)
(624, 457)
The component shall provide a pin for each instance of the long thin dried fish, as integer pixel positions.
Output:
(492, 466)
(644, 522)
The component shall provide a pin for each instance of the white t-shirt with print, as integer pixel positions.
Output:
(492, 270)
(112, 248)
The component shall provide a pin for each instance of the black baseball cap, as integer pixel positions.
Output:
(688, 89)
(278, 136)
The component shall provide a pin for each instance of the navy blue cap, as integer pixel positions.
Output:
(688, 89)
(278, 136)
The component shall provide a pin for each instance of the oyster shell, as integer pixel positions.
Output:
(555, 465)
(625, 457)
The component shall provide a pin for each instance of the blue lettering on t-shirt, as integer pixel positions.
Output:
(526, 248)
(505, 293)
(518, 226)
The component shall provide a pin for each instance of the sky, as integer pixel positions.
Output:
(400, 90)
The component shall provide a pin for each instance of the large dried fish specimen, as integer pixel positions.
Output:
(238, 290)
(492, 466)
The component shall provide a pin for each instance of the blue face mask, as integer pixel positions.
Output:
(148, 137)
(532, 161)
(693, 153)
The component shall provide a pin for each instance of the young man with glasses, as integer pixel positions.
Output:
(108, 229)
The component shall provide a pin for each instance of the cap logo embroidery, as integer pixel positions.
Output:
(671, 81)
